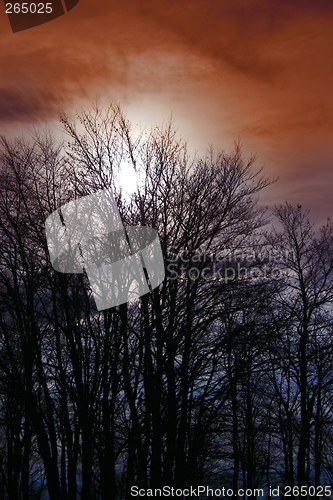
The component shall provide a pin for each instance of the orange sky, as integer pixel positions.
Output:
(261, 70)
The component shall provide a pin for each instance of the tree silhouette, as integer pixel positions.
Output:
(221, 372)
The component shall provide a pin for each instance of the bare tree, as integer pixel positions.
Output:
(145, 393)
(302, 373)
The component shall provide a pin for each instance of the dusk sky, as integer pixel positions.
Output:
(258, 70)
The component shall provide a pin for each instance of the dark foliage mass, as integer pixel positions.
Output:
(222, 375)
